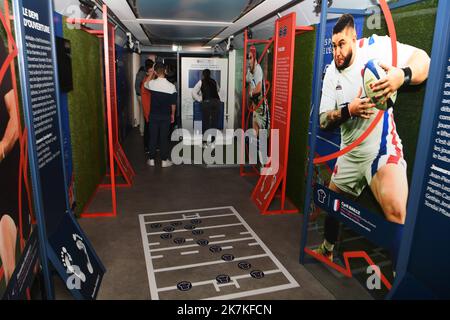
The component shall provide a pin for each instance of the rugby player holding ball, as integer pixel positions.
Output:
(378, 161)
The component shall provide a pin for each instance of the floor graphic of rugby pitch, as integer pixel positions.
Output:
(208, 254)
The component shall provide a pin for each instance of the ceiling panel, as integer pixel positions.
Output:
(216, 10)
(188, 10)
(181, 34)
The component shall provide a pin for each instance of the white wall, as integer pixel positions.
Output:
(229, 107)
(136, 110)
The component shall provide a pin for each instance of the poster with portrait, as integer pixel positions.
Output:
(15, 195)
(364, 157)
(191, 74)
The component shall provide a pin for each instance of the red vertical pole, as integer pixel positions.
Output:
(274, 90)
(274, 76)
(106, 44)
(272, 111)
(288, 120)
(114, 88)
(274, 85)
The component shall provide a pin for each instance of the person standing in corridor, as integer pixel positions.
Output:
(162, 114)
(206, 91)
(146, 102)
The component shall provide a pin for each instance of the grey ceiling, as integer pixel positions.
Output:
(199, 10)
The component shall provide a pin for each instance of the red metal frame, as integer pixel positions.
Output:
(303, 29)
(86, 21)
(115, 151)
(347, 272)
(279, 190)
(251, 41)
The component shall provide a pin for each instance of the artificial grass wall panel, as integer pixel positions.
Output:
(414, 26)
(86, 113)
(301, 106)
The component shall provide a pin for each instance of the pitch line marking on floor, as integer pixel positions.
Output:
(189, 252)
(196, 245)
(207, 217)
(266, 249)
(217, 236)
(206, 282)
(184, 211)
(154, 291)
(195, 216)
(233, 282)
(201, 264)
(148, 257)
(254, 292)
(200, 228)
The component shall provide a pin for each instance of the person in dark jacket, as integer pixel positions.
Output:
(206, 91)
(162, 114)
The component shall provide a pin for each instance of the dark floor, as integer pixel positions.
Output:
(118, 242)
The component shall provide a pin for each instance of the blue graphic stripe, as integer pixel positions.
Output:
(383, 146)
(371, 66)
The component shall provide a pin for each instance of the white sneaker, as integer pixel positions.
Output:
(151, 162)
(166, 163)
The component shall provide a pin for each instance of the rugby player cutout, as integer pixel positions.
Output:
(377, 162)
(258, 101)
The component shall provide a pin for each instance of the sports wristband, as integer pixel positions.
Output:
(345, 113)
(408, 76)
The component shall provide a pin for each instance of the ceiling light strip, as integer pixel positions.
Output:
(181, 22)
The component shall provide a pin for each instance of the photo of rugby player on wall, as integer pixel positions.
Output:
(255, 78)
(258, 103)
(15, 206)
(352, 104)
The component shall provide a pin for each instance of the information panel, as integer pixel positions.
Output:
(60, 237)
(425, 262)
(42, 91)
(281, 112)
(366, 223)
(191, 74)
(437, 180)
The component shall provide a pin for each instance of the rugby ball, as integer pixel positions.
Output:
(372, 73)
